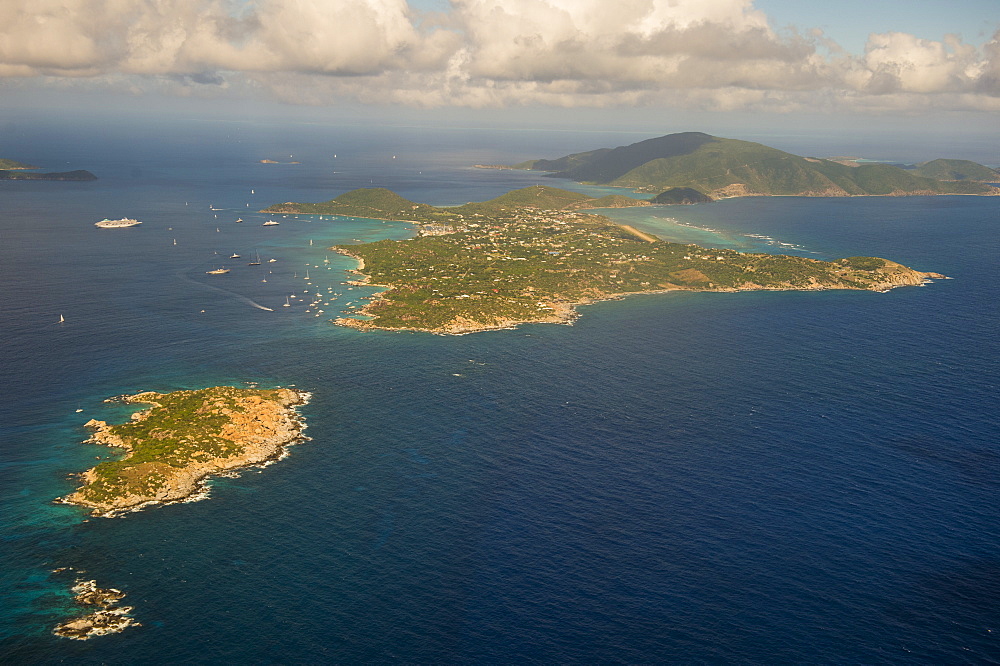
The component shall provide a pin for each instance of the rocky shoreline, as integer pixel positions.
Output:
(255, 428)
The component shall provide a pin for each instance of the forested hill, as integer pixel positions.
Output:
(722, 167)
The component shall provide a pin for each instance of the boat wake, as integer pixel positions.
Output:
(238, 297)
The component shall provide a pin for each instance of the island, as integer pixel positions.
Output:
(721, 168)
(79, 175)
(109, 618)
(684, 196)
(182, 439)
(9, 164)
(533, 255)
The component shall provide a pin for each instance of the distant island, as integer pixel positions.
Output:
(721, 168)
(531, 255)
(14, 170)
(184, 437)
(381, 204)
(79, 175)
(8, 164)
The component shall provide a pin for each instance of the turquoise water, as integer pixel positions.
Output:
(737, 478)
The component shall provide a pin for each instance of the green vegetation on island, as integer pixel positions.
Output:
(722, 167)
(12, 164)
(382, 204)
(504, 262)
(79, 175)
(957, 170)
(680, 196)
(184, 437)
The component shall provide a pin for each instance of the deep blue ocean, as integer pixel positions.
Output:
(750, 478)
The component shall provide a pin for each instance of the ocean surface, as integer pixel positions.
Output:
(750, 478)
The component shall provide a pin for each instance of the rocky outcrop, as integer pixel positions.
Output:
(110, 618)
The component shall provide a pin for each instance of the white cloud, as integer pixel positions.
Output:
(719, 54)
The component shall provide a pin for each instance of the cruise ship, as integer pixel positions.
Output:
(117, 224)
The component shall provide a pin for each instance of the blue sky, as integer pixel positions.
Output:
(784, 62)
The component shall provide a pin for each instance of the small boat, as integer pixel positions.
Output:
(234, 256)
(270, 223)
(175, 241)
(62, 320)
(217, 271)
(287, 304)
(238, 220)
(256, 260)
(271, 261)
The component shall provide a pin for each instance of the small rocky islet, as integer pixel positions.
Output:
(109, 618)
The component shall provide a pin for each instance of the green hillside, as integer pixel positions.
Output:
(729, 167)
(376, 202)
(957, 170)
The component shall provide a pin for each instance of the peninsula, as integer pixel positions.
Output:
(720, 168)
(183, 438)
(532, 255)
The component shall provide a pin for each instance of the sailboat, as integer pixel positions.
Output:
(256, 259)
(287, 304)
(62, 320)
(175, 241)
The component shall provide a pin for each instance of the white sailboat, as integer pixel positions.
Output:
(287, 304)
(62, 320)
